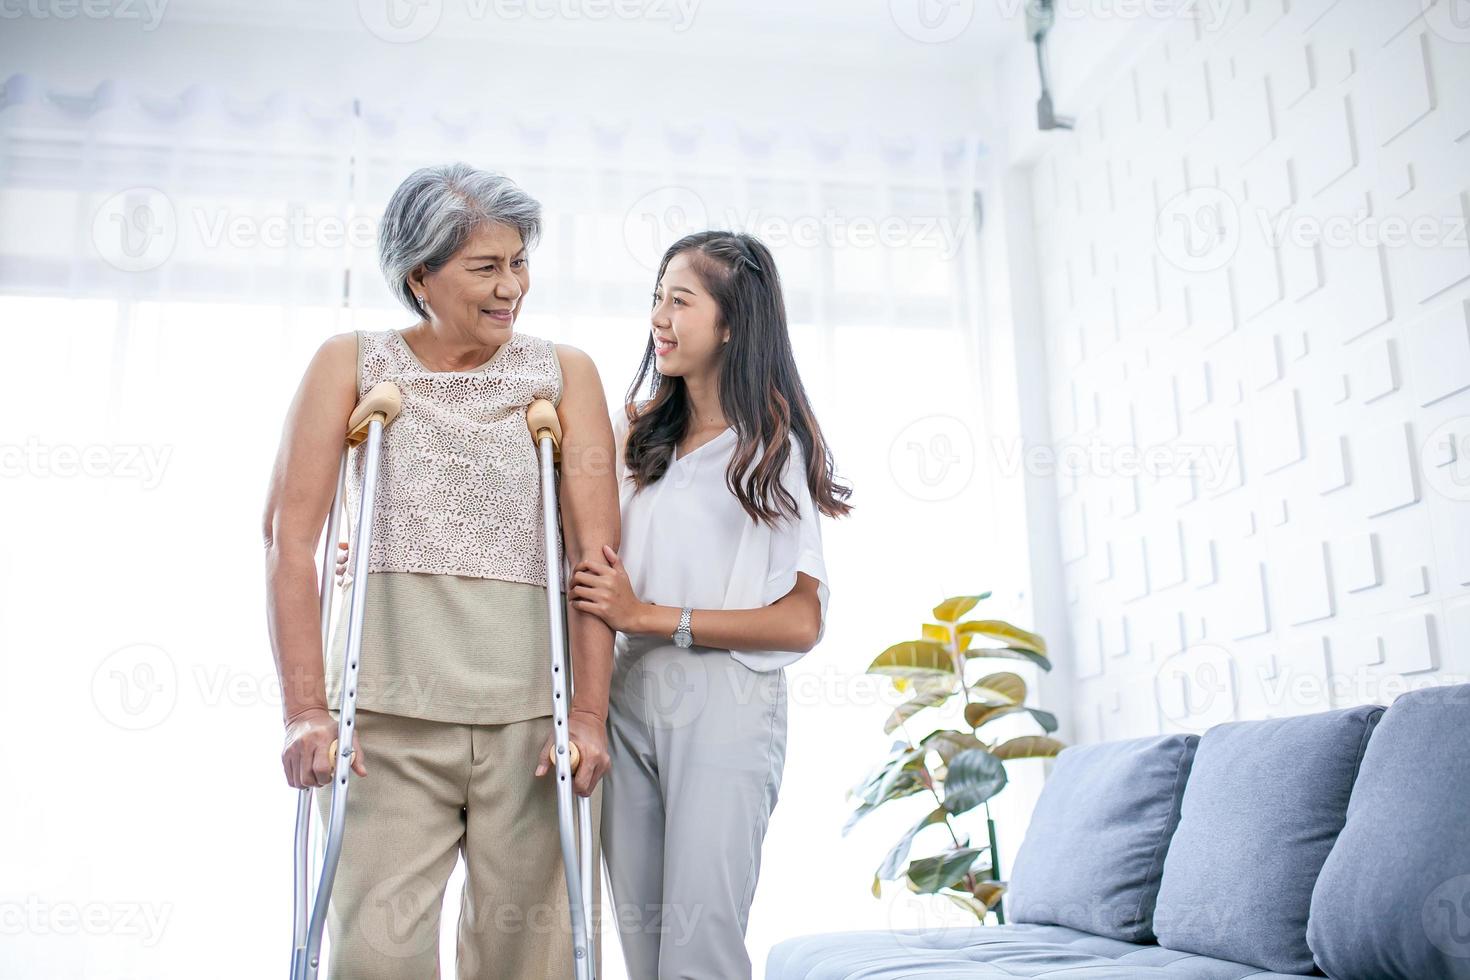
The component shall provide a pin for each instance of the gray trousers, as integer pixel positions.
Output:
(698, 743)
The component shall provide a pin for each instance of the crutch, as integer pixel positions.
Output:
(372, 415)
(545, 428)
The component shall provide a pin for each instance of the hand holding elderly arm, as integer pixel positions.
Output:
(301, 489)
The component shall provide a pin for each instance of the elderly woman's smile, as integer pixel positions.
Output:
(478, 293)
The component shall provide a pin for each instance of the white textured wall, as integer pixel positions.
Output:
(1252, 259)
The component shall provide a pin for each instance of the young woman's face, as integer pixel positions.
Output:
(478, 293)
(687, 335)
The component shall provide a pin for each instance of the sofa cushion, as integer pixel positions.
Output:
(1094, 851)
(1393, 900)
(997, 952)
(1265, 802)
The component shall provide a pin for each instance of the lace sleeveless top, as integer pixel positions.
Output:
(459, 488)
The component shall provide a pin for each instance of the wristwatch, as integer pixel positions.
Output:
(682, 636)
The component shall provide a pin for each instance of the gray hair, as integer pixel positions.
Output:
(435, 211)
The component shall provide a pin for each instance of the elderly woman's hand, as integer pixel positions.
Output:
(605, 591)
(587, 733)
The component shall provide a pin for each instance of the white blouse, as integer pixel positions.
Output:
(687, 542)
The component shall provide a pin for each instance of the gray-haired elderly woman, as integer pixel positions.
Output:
(454, 695)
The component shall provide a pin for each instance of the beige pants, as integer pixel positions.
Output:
(436, 790)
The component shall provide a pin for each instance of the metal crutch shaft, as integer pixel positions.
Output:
(545, 428)
(372, 415)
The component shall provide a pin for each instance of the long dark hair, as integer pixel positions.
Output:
(760, 390)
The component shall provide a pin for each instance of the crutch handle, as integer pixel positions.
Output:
(381, 404)
(333, 753)
(541, 419)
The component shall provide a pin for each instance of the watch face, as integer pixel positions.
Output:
(683, 639)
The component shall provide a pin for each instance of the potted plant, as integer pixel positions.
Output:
(959, 767)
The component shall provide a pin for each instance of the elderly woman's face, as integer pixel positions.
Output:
(479, 291)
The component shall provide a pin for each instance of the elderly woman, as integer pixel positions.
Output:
(454, 699)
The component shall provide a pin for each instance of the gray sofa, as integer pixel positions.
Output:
(1333, 844)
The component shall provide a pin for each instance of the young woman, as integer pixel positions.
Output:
(719, 586)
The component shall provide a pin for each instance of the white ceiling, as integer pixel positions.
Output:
(959, 35)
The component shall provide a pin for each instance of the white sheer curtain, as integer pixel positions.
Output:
(168, 262)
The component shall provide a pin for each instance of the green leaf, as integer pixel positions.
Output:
(974, 776)
(1008, 653)
(997, 689)
(999, 629)
(978, 714)
(953, 608)
(910, 708)
(913, 659)
(951, 743)
(928, 875)
(899, 853)
(896, 777)
(1028, 747)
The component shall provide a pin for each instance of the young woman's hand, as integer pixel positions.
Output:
(341, 561)
(605, 591)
